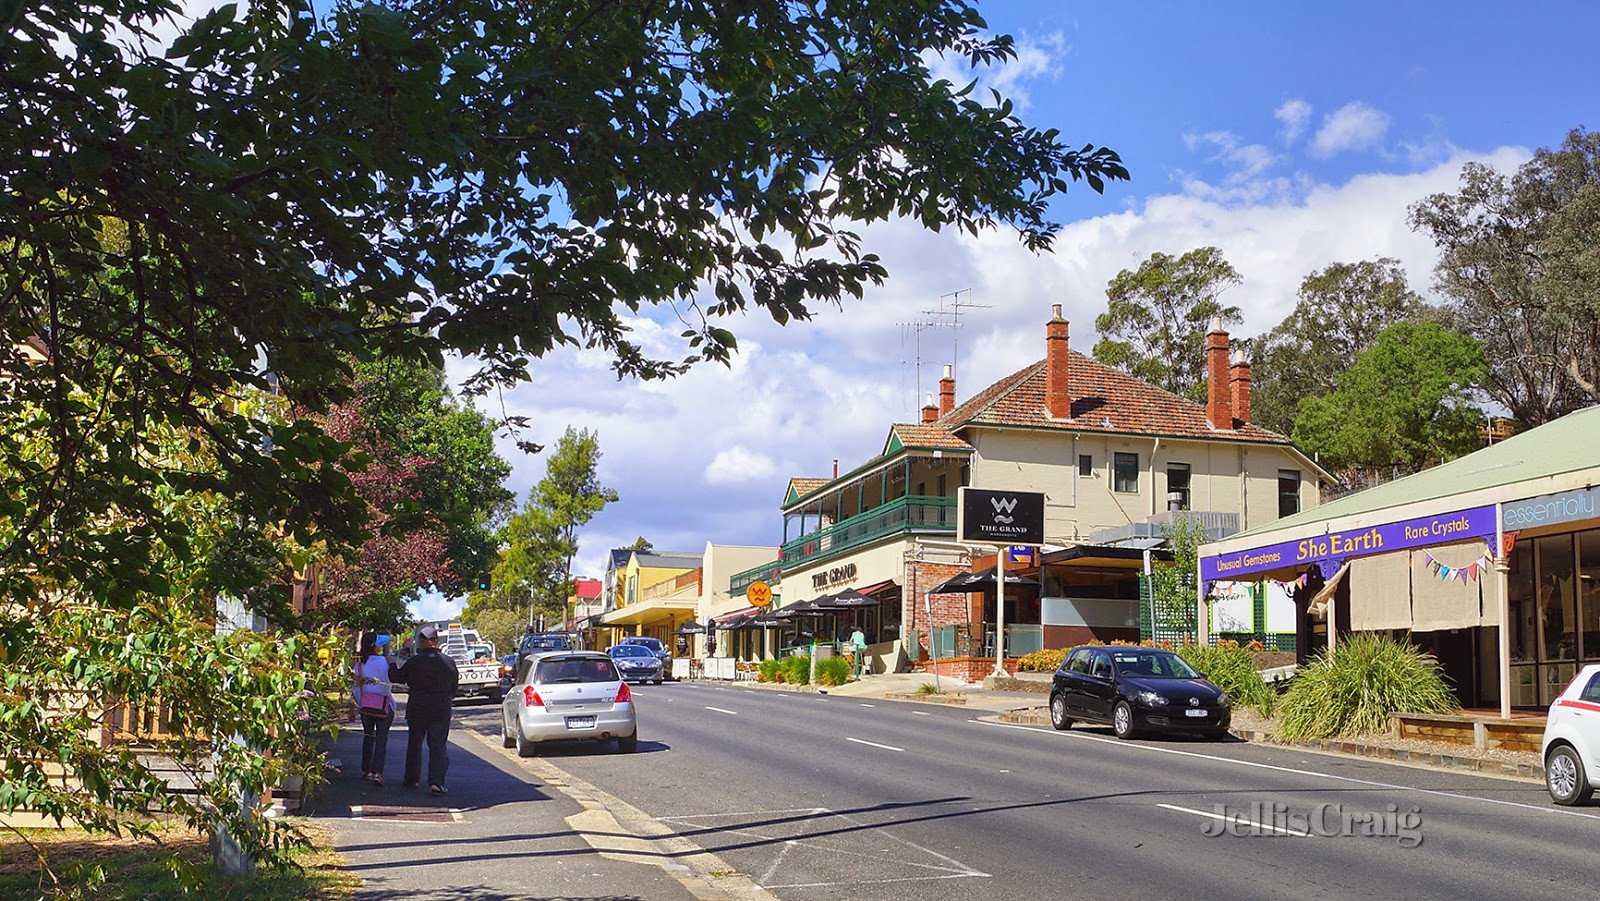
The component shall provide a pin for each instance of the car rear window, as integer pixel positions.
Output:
(575, 669)
(1591, 692)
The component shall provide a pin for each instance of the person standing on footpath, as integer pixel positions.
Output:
(431, 679)
(375, 703)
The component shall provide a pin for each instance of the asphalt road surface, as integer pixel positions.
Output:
(824, 797)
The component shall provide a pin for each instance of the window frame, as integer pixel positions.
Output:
(1086, 466)
(1117, 459)
(1299, 482)
(1188, 482)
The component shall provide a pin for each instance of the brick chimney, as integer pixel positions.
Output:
(1057, 394)
(947, 392)
(1219, 405)
(1239, 378)
(930, 410)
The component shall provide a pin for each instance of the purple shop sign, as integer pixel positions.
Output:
(1424, 532)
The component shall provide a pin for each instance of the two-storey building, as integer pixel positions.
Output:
(1113, 455)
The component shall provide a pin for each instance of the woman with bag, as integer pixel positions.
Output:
(375, 702)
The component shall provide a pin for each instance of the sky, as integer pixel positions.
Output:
(1291, 136)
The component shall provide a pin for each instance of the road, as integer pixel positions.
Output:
(818, 797)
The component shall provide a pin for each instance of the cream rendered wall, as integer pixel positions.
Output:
(1224, 477)
(873, 564)
(721, 562)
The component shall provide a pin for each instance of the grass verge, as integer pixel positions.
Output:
(94, 866)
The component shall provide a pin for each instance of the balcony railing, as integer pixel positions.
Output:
(770, 572)
(919, 514)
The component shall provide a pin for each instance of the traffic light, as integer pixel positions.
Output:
(483, 581)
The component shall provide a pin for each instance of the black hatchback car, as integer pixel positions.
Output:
(1136, 690)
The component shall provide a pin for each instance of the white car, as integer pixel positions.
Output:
(568, 696)
(1572, 739)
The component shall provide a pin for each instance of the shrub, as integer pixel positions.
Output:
(1232, 669)
(1046, 661)
(833, 671)
(1368, 678)
(769, 670)
(796, 670)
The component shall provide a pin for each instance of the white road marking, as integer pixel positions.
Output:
(862, 741)
(720, 710)
(1284, 769)
(921, 713)
(1242, 820)
(869, 705)
(872, 881)
(742, 813)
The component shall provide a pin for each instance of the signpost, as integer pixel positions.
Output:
(759, 594)
(1002, 519)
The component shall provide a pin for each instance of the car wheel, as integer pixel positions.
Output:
(1122, 720)
(507, 740)
(526, 748)
(1058, 712)
(630, 744)
(1564, 777)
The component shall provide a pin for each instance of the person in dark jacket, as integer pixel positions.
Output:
(431, 679)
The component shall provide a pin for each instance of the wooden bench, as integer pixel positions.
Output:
(1471, 731)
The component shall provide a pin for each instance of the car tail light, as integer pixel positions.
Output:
(624, 695)
(530, 698)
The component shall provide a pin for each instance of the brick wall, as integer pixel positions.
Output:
(947, 608)
(967, 669)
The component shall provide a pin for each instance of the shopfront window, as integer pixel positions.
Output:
(1589, 593)
(1557, 597)
(1519, 592)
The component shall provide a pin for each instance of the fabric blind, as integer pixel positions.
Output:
(1448, 603)
(1380, 592)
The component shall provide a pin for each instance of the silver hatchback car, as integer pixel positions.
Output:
(568, 696)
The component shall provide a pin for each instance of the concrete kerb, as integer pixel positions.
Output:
(1040, 717)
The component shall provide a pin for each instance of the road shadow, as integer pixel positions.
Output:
(473, 780)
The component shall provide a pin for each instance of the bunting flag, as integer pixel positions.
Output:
(1291, 586)
(1462, 574)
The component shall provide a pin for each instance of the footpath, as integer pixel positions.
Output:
(499, 834)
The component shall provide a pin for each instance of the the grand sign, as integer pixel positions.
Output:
(1477, 522)
(1000, 517)
(828, 578)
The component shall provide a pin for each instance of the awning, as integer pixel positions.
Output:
(879, 586)
(722, 620)
(967, 583)
(1324, 596)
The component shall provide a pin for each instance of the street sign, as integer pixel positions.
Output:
(985, 516)
(759, 594)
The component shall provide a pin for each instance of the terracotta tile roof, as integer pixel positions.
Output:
(799, 486)
(925, 434)
(1103, 400)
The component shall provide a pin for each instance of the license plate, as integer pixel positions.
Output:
(580, 722)
(1194, 713)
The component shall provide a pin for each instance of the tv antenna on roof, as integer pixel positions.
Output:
(950, 307)
(912, 331)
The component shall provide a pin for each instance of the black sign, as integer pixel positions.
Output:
(1001, 517)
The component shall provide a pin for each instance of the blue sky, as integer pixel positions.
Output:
(1289, 135)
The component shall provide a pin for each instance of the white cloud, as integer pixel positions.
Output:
(1295, 116)
(435, 606)
(1035, 58)
(1354, 126)
(738, 464)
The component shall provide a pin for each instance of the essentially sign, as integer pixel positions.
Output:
(1000, 517)
(835, 576)
(759, 594)
(1429, 530)
(1552, 509)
